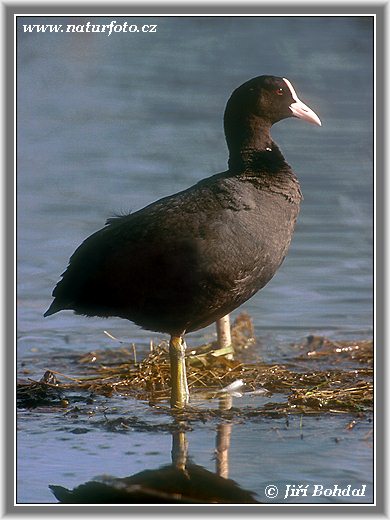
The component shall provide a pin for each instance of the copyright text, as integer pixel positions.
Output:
(314, 490)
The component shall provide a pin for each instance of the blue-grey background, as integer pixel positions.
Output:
(111, 123)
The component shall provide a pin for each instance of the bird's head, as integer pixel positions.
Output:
(269, 98)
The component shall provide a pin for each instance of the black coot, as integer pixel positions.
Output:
(186, 260)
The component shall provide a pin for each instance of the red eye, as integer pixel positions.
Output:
(280, 91)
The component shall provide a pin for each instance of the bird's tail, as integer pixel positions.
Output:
(54, 307)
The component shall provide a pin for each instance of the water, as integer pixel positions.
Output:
(111, 123)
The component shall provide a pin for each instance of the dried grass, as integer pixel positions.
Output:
(106, 372)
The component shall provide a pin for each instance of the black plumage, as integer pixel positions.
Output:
(188, 259)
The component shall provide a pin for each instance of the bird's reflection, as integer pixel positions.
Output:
(180, 482)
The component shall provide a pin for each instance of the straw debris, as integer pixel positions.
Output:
(325, 389)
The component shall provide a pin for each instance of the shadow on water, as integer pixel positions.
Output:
(180, 482)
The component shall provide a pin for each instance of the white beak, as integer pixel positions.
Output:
(301, 110)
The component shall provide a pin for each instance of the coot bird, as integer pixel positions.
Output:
(189, 259)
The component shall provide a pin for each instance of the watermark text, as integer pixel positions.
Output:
(109, 28)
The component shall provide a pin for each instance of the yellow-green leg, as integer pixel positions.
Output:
(224, 338)
(179, 387)
(223, 332)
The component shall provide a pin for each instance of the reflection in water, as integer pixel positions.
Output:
(224, 431)
(179, 482)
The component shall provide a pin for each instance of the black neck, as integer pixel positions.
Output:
(248, 139)
(270, 159)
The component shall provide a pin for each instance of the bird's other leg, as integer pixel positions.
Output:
(224, 337)
(179, 387)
